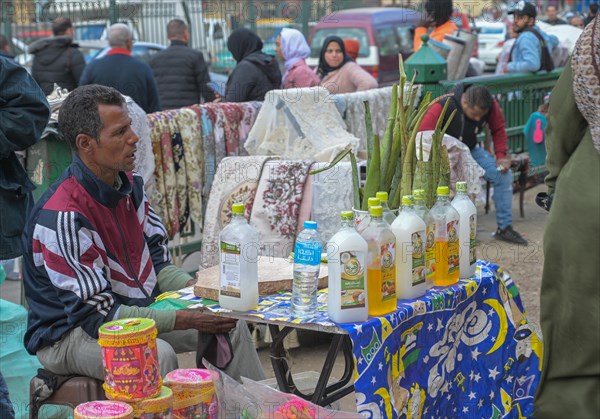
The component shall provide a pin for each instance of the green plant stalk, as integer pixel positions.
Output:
(369, 131)
(355, 181)
(395, 196)
(395, 153)
(373, 173)
(444, 167)
(408, 169)
(338, 158)
(386, 145)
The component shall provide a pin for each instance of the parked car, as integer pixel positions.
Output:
(491, 37)
(382, 33)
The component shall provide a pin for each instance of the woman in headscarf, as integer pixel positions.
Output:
(338, 72)
(570, 295)
(255, 72)
(292, 49)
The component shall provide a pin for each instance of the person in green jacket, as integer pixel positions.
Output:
(570, 295)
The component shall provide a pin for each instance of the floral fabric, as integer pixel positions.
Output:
(277, 205)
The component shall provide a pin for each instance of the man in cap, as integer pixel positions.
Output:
(533, 48)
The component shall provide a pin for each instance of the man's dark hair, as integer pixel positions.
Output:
(60, 25)
(594, 8)
(176, 28)
(479, 96)
(79, 112)
(3, 43)
(439, 10)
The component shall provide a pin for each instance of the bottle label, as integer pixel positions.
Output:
(230, 270)
(453, 247)
(418, 258)
(353, 280)
(472, 239)
(388, 271)
(430, 252)
(307, 253)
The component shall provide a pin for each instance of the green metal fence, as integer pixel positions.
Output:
(519, 95)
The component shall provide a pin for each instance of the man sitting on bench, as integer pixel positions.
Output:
(476, 108)
(95, 250)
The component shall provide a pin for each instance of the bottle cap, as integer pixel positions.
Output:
(443, 191)
(238, 209)
(373, 202)
(419, 194)
(310, 225)
(376, 211)
(407, 200)
(383, 196)
(461, 186)
(347, 215)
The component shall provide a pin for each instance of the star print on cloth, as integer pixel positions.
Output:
(509, 379)
(475, 354)
(493, 373)
(430, 327)
(358, 329)
(380, 366)
(472, 395)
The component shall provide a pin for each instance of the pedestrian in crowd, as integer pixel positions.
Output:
(552, 16)
(95, 251)
(592, 14)
(437, 22)
(255, 72)
(577, 22)
(120, 70)
(181, 73)
(533, 48)
(504, 56)
(24, 113)
(352, 48)
(338, 72)
(57, 59)
(476, 108)
(5, 48)
(569, 313)
(292, 49)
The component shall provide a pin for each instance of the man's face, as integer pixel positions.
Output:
(551, 13)
(115, 150)
(577, 22)
(522, 22)
(474, 113)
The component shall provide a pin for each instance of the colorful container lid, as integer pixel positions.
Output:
(383, 196)
(373, 202)
(376, 211)
(461, 186)
(103, 409)
(158, 404)
(125, 329)
(443, 191)
(192, 377)
(347, 215)
(407, 200)
(238, 209)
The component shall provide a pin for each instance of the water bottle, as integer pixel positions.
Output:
(307, 260)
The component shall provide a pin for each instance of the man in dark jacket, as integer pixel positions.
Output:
(24, 113)
(180, 72)
(255, 73)
(95, 251)
(476, 108)
(57, 59)
(118, 69)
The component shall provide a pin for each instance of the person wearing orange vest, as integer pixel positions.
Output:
(437, 22)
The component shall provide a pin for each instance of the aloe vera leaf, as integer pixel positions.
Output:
(408, 169)
(339, 157)
(373, 173)
(444, 167)
(395, 196)
(369, 131)
(395, 153)
(386, 145)
(355, 180)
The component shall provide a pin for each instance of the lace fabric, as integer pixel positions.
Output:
(299, 124)
(331, 194)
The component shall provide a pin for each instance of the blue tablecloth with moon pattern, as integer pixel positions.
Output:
(464, 351)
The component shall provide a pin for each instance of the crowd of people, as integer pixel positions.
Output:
(79, 270)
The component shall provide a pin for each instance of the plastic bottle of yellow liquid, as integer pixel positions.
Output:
(381, 263)
(468, 230)
(239, 251)
(409, 230)
(447, 262)
(423, 212)
(388, 214)
(371, 202)
(346, 259)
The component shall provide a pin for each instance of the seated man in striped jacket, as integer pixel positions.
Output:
(95, 251)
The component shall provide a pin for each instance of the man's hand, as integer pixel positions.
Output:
(504, 163)
(193, 319)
